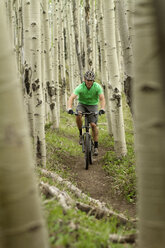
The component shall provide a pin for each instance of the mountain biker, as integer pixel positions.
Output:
(89, 94)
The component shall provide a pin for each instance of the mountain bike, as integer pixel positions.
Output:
(87, 141)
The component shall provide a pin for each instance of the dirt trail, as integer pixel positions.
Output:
(97, 183)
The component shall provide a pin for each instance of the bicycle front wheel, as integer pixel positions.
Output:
(87, 149)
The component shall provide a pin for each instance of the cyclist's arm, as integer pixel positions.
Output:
(71, 99)
(102, 101)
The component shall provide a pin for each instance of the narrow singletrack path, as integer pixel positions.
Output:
(97, 183)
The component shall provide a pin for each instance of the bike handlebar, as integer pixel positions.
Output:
(86, 113)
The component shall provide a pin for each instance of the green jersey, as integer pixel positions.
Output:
(88, 96)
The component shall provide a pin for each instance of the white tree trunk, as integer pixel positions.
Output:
(116, 97)
(104, 68)
(21, 221)
(93, 33)
(84, 39)
(39, 123)
(62, 56)
(126, 48)
(70, 46)
(77, 40)
(56, 60)
(50, 85)
(88, 34)
(27, 66)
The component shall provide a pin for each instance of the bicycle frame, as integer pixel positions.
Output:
(87, 145)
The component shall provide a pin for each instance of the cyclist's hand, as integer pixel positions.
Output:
(101, 111)
(70, 111)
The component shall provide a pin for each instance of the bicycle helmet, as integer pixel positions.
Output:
(89, 75)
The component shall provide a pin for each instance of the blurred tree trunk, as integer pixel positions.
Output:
(10, 19)
(21, 222)
(149, 116)
(115, 97)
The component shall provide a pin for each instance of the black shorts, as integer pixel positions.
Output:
(88, 108)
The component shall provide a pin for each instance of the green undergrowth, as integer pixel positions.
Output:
(76, 229)
(122, 170)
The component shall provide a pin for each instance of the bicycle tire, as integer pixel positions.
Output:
(86, 151)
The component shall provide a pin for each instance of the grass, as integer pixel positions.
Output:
(121, 170)
(75, 229)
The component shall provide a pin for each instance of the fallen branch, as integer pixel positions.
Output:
(130, 238)
(78, 193)
(67, 202)
(64, 199)
(101, 213)
(101, 206)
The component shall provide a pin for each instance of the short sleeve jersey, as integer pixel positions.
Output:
(88, 96)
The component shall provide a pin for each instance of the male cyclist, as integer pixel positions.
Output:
(89, 94)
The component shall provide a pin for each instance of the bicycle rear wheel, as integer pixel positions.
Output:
(87, 149)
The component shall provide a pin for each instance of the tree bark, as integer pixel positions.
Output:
(77, 41)
(149, 119)
(39, 121)
(21, 222)
(126, 49)
(116, 97)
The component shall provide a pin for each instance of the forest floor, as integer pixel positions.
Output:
(97, 182)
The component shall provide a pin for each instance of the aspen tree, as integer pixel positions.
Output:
(50, 85)
(56, 61)
(70, 46)
(76, 68)
(93, 33)
(85, 56)
(104, 69)
(130, 11)
(21, 221)
(62, 55)
(43, 71)
(76, 33)
(88, 33)
(98, 40)
(10, 19)
(149, 120)
(17, 17)
(126, 48)
(27, 73)
(39, 122)
(115, 97)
